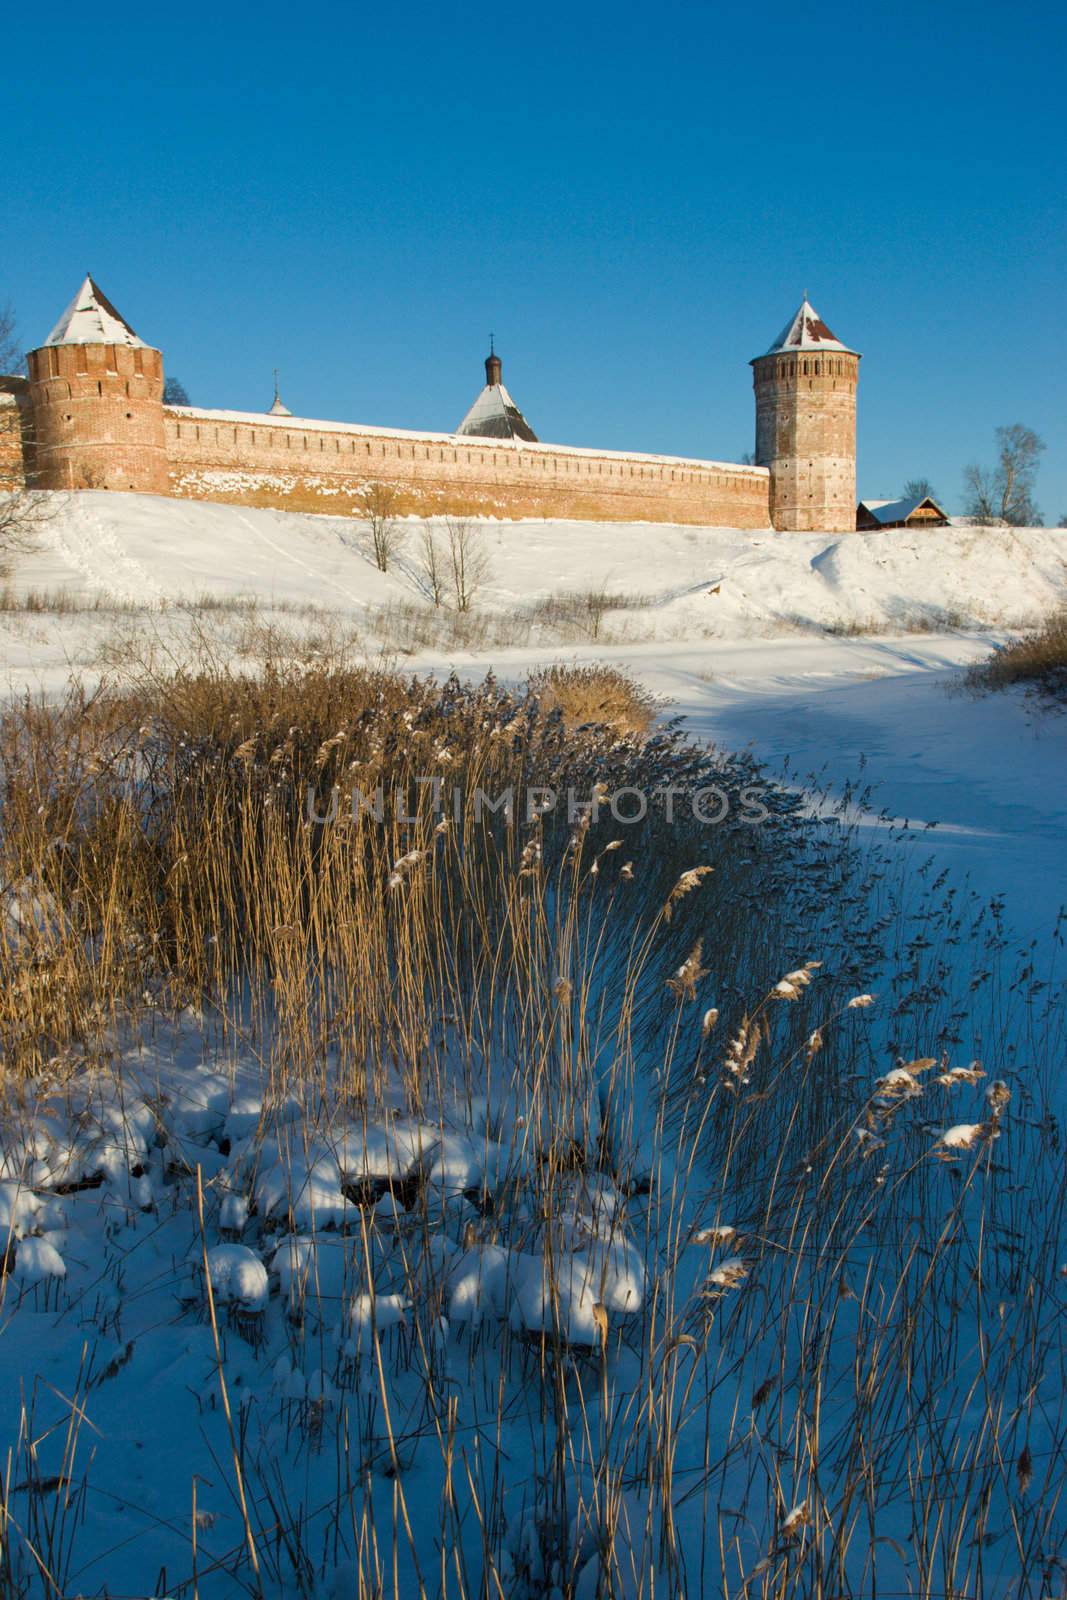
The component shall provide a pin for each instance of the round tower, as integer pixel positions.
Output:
(806, 426)
(97, 394)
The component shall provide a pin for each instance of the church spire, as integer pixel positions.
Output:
(278, 409)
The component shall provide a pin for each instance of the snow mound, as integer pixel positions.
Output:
(238, 1277)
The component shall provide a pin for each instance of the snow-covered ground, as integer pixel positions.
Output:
(701, 585)
(99, 1204)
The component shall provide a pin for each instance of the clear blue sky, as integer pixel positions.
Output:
(631, 197)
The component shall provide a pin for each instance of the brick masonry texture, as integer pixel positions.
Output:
(18, 458)
(806, 436)
(98, 410)
(260, 461)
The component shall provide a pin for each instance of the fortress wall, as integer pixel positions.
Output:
(16, 440)
(296, 465)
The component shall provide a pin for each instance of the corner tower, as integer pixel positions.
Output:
(97, 394)
(806, 426)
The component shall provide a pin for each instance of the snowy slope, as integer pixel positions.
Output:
(697, 582)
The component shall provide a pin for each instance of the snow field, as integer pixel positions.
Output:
(162, 561)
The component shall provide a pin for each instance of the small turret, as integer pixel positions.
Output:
(278, 409)
(494, 415)
(97, 394)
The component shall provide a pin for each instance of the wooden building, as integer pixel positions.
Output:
(872, 515)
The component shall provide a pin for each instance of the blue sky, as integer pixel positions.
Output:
(631, 197)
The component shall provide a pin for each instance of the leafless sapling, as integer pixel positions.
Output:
(430, 565)
(22, 509)
(468, 561)
(386, 535)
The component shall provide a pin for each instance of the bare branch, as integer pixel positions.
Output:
(468, 561)
(175, 392)
(1005, 493)
(387, 538)
(10, 353)
(430, 565)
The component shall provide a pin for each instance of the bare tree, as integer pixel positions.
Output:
(10, 354)
(21, 510)
(175, 393)
(379, 508)
(1005, 493)
(919, 489)
(468, 561)
(430, 565)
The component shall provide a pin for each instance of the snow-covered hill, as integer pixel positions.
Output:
(675, 582)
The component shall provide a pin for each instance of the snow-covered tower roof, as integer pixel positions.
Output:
(494, 415)
(92, 319)
(806, 330)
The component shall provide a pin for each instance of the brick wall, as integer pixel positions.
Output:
(806, 435)
(303, 466)
(99, 417)
(16, 434)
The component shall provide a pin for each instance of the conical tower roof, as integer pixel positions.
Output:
(92, 319)
(806, 330)
(494, 415)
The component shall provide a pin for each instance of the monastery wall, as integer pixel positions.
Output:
(16, 435)
(297, 465)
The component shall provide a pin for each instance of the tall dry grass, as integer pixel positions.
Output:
(161, 839)
(1037, 659)
(844, 1375)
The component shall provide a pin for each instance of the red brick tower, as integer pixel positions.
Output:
(806, 426)
(97, 394)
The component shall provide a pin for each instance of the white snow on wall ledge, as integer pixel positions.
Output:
(263, 419)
